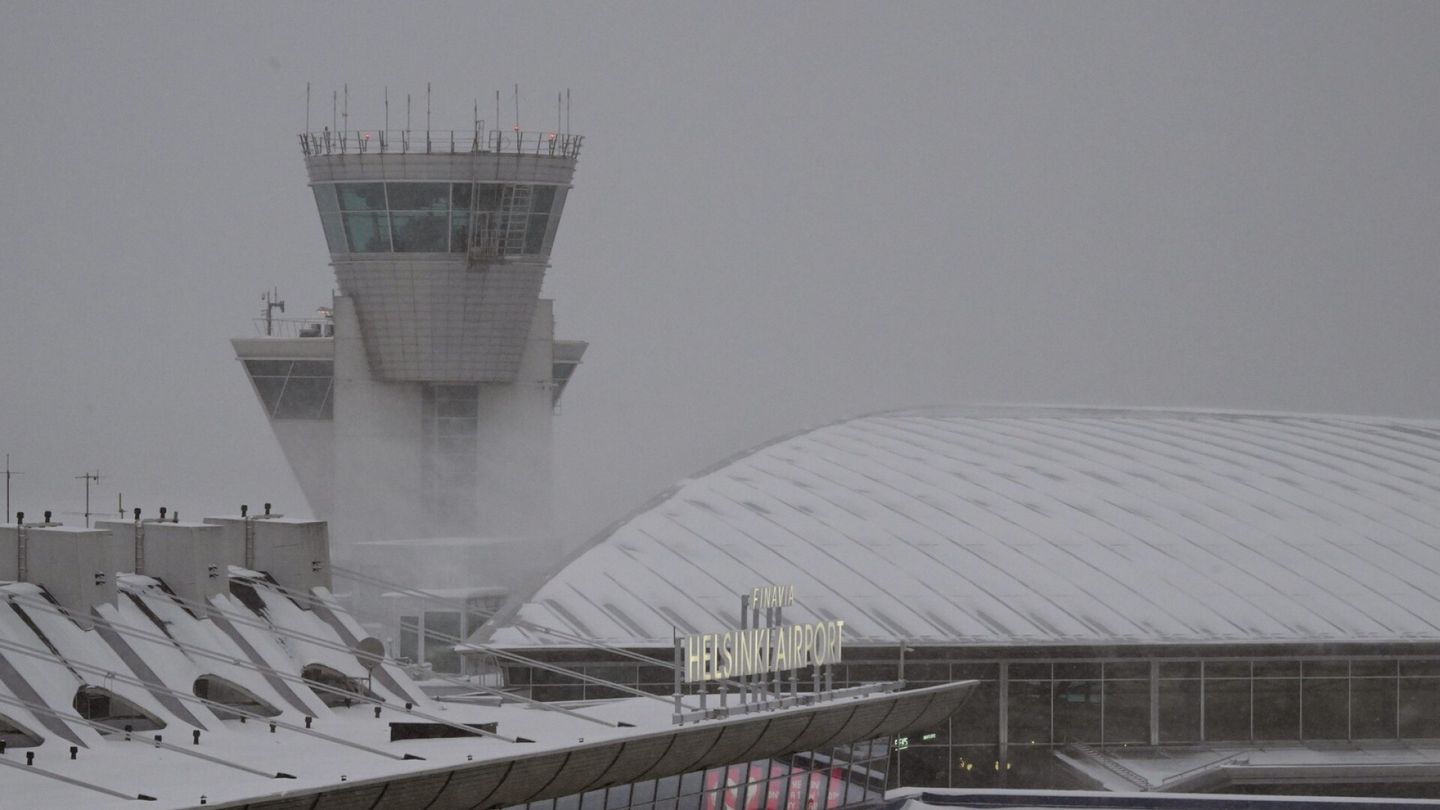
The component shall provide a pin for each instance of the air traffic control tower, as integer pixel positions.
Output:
(419, 407)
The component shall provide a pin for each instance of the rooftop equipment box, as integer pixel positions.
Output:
(295, 552)
(188, 557)
(75, 565)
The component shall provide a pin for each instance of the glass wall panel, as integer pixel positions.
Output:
(923, 767)
(367, 233)
(1372, 669)
(978, 720)
(325, 198)
(1277, 707)
(1326, 708)
(1227, 708)
(1029, 712)
(1419, 706)
(1180, 710)
(1183, 669)
(410, 637)
(334, 233)
(303, 398)
(1372, 707)
(313, 368)
(535, 233)
(361, 196)
(544, 199)
(1077, 711)
(459, 231)
(1127, 671)
(420, 232)
(329, 217)
(419, 196)
(269, 389)
(442, 629)
(1029, 672)
(1084, 670)
(1127, 711)
(974, 766)
(487, 197)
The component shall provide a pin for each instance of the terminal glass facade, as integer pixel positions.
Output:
(500, 219)
(1024, 710)
(845, 776)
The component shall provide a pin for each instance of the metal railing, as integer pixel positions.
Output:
(295, 327)
(442, 142)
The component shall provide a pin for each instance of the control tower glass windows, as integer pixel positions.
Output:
(419, 217)
(330, 218)
(367, 228)
(490, 219)
(459, 217)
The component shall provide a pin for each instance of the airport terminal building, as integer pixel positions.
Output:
(1150, 600)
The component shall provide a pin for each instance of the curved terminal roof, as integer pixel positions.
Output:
(1034, 526)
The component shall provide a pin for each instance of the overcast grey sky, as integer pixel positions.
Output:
(785, 214)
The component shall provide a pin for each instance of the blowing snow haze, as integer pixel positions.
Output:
(784, 216)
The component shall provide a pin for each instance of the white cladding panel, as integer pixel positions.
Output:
(1036, 526)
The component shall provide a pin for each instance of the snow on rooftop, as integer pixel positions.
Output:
(1035, 526)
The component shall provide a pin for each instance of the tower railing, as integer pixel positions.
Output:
(295, 327)
(442, 142)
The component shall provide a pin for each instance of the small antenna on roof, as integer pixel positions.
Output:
(427, 108)
(334, 107)
(307, 107)
(347, 106)
(567, 111)
(517, 106)
(387, 111)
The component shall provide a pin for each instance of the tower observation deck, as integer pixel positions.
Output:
(442, 240)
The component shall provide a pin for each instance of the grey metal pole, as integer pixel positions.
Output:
(678, 661)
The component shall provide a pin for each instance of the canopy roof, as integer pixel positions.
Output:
(1029, 526)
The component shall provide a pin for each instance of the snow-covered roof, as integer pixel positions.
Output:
(146, 652)
(1019, 526)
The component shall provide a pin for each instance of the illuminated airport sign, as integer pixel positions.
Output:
(761, 650)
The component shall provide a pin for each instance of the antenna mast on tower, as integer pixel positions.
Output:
(8, 473)
(88, 477)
